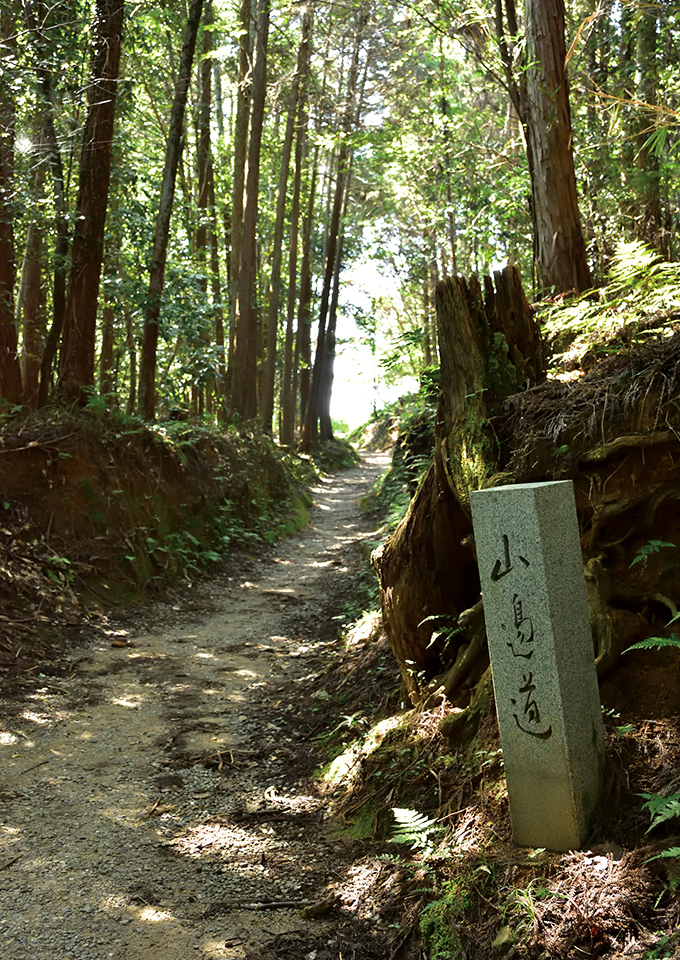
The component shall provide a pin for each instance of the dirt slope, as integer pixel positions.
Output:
(149, 795)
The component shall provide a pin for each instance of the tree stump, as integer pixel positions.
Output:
(490, 348)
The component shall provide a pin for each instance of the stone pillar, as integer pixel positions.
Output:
(542, 659)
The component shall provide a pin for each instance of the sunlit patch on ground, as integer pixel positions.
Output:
(212, 837)
(154, 914)
(357, 887)
(132, 703)
(39, 718)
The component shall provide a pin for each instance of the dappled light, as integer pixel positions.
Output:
(340, 507)
(169, 773)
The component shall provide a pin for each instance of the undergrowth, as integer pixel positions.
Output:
(640, 299)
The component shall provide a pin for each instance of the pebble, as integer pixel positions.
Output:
(94, 854)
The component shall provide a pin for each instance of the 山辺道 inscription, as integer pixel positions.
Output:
(542, 659)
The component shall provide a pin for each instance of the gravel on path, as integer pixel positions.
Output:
(150, 807)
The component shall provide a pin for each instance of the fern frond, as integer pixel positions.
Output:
(673, 852)
(655, 643)
(660, 808)
(413, 828)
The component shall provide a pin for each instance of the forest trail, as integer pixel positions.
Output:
(149, 795)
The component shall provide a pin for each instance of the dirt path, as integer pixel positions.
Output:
(149, 798)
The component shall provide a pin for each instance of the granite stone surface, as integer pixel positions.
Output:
(542, 659)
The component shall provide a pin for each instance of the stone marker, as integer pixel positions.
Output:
(542, 659)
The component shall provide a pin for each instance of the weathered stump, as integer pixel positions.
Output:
(490, 348)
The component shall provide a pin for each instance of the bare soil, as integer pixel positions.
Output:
(155, 790)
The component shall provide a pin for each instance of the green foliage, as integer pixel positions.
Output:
(665, 947)
(660, 809)
(520, 907)
(673, 853)
(414, 830)
(620, 728)
(655, 643)
(640, 298)
(441, 922)
(447, 632)
(649, 548)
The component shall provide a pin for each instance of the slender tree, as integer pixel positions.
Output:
(239, 170)
(277, 246)
(76, 364)
(173, 149)
(10, 371)
(311, 422)
(61, 223)
(244, 376)
(559, 248)
(287, 435)
(30, 301)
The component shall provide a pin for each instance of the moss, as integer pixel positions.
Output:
(503, 377)
(440, 922)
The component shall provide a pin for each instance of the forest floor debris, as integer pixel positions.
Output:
(157, 799)
(218, 776)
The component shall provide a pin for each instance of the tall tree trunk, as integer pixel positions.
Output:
(10, 370)
(76, 362)
(173, 149)
(106, 384)
(303, 339)
(311, 422)
(646, 179)
(203, 151)
(132, 354)
(560, 253)
(291, 357)
(326, 385)
(244, 380)
(239, 174)
(218, 310)
(277, 255)
(30, 301)
(61, 248)
(287, 434)
(205, 212)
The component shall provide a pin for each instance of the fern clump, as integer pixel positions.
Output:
(414, 830)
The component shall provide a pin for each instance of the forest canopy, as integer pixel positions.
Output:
(183, 188)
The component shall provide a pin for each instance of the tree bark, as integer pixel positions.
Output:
(238, 179)
(173, 149)
(277, 253)
(244, 378)
(288, 397)
(489, 348)
(560, 254)
(10, 370)
(61, 247)
(326, 385)
(76, 363)
(646, 177)
(303, 339)
(218, 311)
(106, 384)
(132, 354)
(204, 167)
(311, 422)
(30, 301)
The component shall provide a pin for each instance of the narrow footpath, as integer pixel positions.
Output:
(150, 803)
